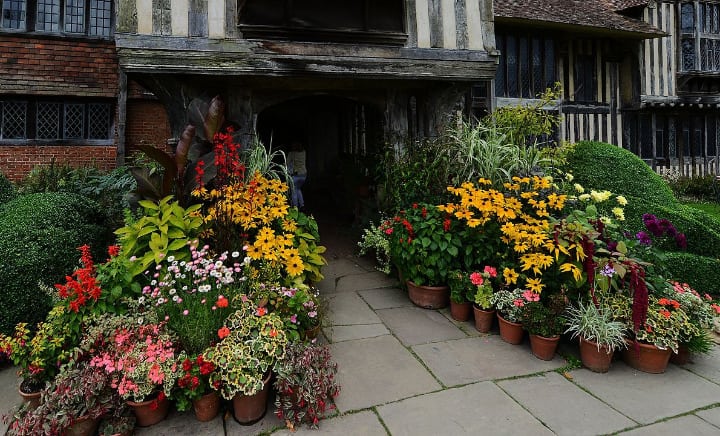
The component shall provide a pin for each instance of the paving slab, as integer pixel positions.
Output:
(563, 407)
(414, 325)
(361, 282)
(340, 333)
(356, 424)
(710, 415)
(647, 398)
(269, 423)
(684, 425)
(349, 309)
(475, 409)
(378, 370)
(386, 298)
(343, 267)
(181, 424)
(477, 359)
(706, 365)
(9, 396)
(466, 326)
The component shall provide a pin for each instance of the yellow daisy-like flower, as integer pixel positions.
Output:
(579, 188)
(289, 225)
(534, 285)
(510, 276)
(253, 252)
(570, 267)
(265, 239)
(622, 201)
(619, 213)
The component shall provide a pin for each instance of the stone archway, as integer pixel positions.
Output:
(340, 135)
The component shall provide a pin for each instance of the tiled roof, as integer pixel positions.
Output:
(620, 5)
(596, 15)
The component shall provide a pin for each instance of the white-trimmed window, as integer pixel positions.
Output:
(71, 17)
(700, 36)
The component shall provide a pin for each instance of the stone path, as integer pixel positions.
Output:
(410, 371)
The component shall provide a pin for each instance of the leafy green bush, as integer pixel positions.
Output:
(7, 190)
(598, 165)
(700, 187)
(700, 272)
(39, 237)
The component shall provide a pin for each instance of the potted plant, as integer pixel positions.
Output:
(193, 387)
(425, 248)
(461, 294)
(299, 308)
(509, 305)
(145, 364)
(544, 322)
(72, 404)
(482, 298)
(251, 342)
(375, 239)
(599, 334)
(305, 383)
(701, 313)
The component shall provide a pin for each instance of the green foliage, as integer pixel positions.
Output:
(39, 235)
(544, 319)
(376, 240)
(700, 272)
(165, 229)
(700, 187)
(306, 240)
(596, 325)
(269, 163)
(7, 190)
(599, 166)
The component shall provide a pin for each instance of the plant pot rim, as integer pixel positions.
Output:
(499, 314)
(427, 286)
(550, 338)
(492, 309)
(595, 344)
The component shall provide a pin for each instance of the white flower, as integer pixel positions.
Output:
(579, 188)
(175, 298)
(172, 291)
(235, 254)
(171, 258)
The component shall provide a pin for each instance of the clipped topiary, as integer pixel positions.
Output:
(700, 272)
(7, 190)
(599, 165)
(39, 237)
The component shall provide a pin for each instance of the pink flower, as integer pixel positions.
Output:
(293, 319)
(491, 270)
(476, 279)
(518, 303)
(531, 296)
(185, 312)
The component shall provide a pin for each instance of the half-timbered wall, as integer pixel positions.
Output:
(659, 56)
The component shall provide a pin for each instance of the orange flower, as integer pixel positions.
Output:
(665, 313)
(273, 333)
(260, 311)
(223, 333)
(222, 302)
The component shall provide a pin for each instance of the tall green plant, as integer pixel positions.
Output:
(268, 162)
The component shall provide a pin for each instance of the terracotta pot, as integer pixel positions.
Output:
(682, 357)
(593, 359)
(312, 333)
(84, 426)
(647, 358)
(544, 348)
(460, 311)
(428, 297)
(249, 409)
(150, 412)
(206, 407)
(510, 332)
(33, 399)
(483, 319)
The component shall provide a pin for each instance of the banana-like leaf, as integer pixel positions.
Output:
(168, 163)
(183, 148)
(148, 185)
(214, 118)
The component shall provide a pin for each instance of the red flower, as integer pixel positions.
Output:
(446, 224)
(222, 302)
(261, 311)
(223, 333)
(665, 313)
(113, 250)
(187, 365)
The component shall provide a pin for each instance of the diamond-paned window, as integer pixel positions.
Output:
(100, 17)
(98, 121)
(13, 120)
(75, 16)
(47, 120)
(48, 16)
(74, 121)
(13, 14)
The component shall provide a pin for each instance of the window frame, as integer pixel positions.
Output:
(33, 122)
(704, 31)
(547, 67)
(30, 23)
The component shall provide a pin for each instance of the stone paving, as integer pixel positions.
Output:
(406, 370)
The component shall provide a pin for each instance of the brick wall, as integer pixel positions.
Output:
(147, 122)
(57, 66)
(17, 161)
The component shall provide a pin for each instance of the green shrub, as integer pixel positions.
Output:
(7, 190)
(700, 187)
(702, 230)
(39, 237)
(597, 165)
(700, 272)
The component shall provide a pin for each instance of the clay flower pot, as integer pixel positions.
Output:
(593, 359)
(460, 311)
(483, 319)
(150, 412)
(682, 357)
(646, 358)
(428, 297)
(84, 426)
(544, 348)
(249, 409)
(33, 399)
(206, 407)
(510, 332)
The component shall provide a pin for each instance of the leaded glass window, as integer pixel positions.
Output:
(13, 14)
(48, 16)
(98, 121)
(47, 120)
(74, 121)
(75, 16)
(700, 36)
(13, 119)
(100, 17)
(527, 65)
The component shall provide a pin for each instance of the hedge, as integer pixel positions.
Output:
(7, 190)
(700, 272)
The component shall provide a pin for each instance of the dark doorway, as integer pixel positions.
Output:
(340, 137)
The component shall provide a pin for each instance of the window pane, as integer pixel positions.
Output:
(266, 12)
(329, 14)
(500, 88)
(48, 120)
(646, 136)
(659, 136)
(98, 121)
(13, 14)
(525, 77)
(537, 67)
(585, 78)
(549, 63)
(688, 54)
(688, 18)
(75, 16)
(512, 67)
(704, 44)
(74, 121)
(698, 136)
(14, 120)
(48, 15)
(100, 18)
(711, 138)
(672, 138)
(385, 15)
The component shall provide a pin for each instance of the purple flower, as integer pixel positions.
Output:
(612, 245)
(681, 241)
(608, 271)
(293, 319)
(644, 238)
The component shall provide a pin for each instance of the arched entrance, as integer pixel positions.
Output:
(340, 137)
